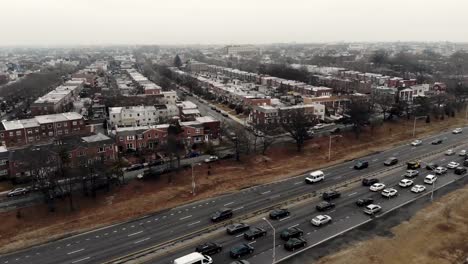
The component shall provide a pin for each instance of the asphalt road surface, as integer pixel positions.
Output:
(121, 239)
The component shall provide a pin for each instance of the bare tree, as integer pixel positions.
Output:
(359, 114)
(267, 133)
(385, 102)
(296, 122)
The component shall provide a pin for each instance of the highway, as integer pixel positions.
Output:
(121, 239)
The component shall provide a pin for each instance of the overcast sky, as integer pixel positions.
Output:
(59, 22)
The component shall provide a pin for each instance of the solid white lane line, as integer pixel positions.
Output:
(285, 218)
(76, 261)
(351, 194)
(275, 196)
(296, 183)
(73, 252)
(185, 217)
(228, 203)
(194, 223)
(269, 191)
(136, 233)
(139, 241)
(238, 208)
(240, 235)
(252, 242)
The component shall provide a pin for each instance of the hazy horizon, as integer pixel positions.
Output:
(217, 22)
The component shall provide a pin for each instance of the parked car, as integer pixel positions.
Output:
(237, 228)
(460, 170)
(412, 165)
(321, 220)
(457, 130)
(241, 250)
(209, 248)
(389, 193)
(330, 195)
(416, 143)
(405, 183)
(391, 161)
(418, 188)
(450, 152)
(430, 179)
(440, 170)
(377, 187)
(462, 153)
(211, 159)
(221, 214)
(291, 232)
(254, 233)
(369, 182)
(324, 206)
(372, 209)
(361, 164)
(295, 243)
(364, 202)
(436, 141)
(411, 173)
(17, 192)
(279, 213)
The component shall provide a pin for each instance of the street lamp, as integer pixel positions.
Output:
(274, 239)
(329, 144)
(193, 178)
(414, 124)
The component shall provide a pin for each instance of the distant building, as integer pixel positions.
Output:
(265, 114)
(59, 99)
(240, 49)
(141, 115)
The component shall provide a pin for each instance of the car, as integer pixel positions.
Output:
(452, 165)
(240, 262)
(295, 243)
(225, 114)
(17, 192)
(315, 176)
(457, 130)
(323, 206)
(436, 141)
(389, 193)
(279, 213)
(209, 248)
(391, 161)
(418, 188)
(222, 214)
(450, 152)
(254, 233)
(364, 201)
(412, 165)
(321, 220)
(460, 170)
(440, 170)
(372, 209)
(377, 187)
(431, 166)
(237, 228)
(465, 163)
(369, 182)
(405, 183)
(211, 159)
(330, 195)
(361, 164)
(462, 153)
(135, 167)
(416, 143)
(430, 179)
(241, 250)
(411, 173)
(291, 232)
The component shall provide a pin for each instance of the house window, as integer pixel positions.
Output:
(130, 137)
(149, 135)
(101, 149)
(36, 130)
(113, 116)
(1, 135)
(3, 172)
(121, 138)
(188, 132)
(18, 133)
(59, 132)
(51, 134)
(29, 131)
(3, 162)
(81, 153)
(198, 130)
(11, 134)
(59, 125)
(30, 139)
(43, 127)
(74, 123)
(65, 124)
(66, 131)
(69, 155)
(38, 137)
(49, 126)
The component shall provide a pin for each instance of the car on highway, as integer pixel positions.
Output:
(315, 176)
(240, 262)
(295, 243)
(405, 183)
(450, 152)
(412, 165)
(431, 166)
(364, 201)
(452, 165)
(411, 173)
(440, 170)
(254, 233)
(279, 213)
(369, 182)
(209, 248)
(372, 209)
(460, 170)
(416, 143)
(241, 250)
(193, 258)
(330, 195)
(321, 220)
(361, 164)
(418, 188)
(389, 193)
(222, 214)
(324, 206)
(430, 179)
(291, 232)
(457, 130)
(436, 141)
(237, 228)
(391, 161)
(211, 159)
(377, 187)
(17, 192)
(462, 153)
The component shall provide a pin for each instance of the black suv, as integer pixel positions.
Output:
(323, 206)
(436, 141)
(460, 170)
(291, 232)
(412, 165)
(221, 214)
(241, 250)
(361, 164)
(279, 213)
(391, 161)
(330, 195)
(364, 201)
(369, 182)
(295, 243)
(237, 228)
(209, 248)
(254, 233)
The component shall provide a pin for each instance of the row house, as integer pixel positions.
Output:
(59, 99)
(141, 115)
(266, 114)
(42, 128)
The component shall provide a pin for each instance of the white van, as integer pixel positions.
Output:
(194, 258)
(315, 176)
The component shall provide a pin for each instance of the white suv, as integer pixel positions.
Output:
(389, 193)
(321, 220)
(430, 179)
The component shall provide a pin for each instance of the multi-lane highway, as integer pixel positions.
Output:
(122, 239)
